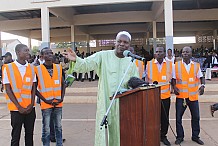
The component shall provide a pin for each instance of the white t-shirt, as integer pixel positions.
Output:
(171, 60)
(214, 60)
(22, 70)
(159, 66)
(187, 67)
(41, 61)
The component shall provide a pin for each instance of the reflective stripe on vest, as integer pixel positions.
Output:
(140, 67)
(190, 86)
(49, 90)
(20, 87)
(155, 75)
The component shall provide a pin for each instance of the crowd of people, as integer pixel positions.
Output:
(43, 76)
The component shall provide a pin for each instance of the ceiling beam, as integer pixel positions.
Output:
(157, 9)
(35, 23)
(9, 5)
(66, 14)
(109, 18)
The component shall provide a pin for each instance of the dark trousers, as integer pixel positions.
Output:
(52, 128)
(195, 114)
(165, 108)
(17, 120)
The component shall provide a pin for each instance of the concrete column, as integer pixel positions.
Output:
(0, 39)
(45, 26)
(147, 41)
(168, 16)
(154, 35)
(29, 43)
(73, 36)
(215, 39)
(88, 40)
(0, 47)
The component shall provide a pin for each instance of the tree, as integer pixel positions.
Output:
(35, 50)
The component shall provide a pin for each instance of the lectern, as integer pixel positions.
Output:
(140, 117)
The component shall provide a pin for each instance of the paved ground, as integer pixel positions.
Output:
(79, 119)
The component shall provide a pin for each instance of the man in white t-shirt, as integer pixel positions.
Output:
(20, 84)
(169, 56)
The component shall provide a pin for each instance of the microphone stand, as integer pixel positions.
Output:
(104, 120)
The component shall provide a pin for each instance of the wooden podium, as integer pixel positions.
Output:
(140, 117)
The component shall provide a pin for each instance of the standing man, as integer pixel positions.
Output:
(7, 59)
(139, 64)
(110, 66)
(169, 56)
(19, 81)
(160, 70)
(186, 87)
(51, 91)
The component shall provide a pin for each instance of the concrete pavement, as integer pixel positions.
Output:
(79, 119)
(79, 126)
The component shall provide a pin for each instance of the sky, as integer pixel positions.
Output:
(23, 40)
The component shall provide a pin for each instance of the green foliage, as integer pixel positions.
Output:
(35, 50)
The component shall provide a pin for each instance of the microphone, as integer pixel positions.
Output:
(155, 82)
(135, 82)
(127, 53)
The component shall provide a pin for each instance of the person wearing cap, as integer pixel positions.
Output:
(110, 66)
(7, 59)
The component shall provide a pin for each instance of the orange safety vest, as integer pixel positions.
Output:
(22, 89)
(49, 87)
(140, 66)
(187, 83)
(162, 77)
(3, 66)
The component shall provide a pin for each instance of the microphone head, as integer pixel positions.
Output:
(126, 53)
(135, 82)
(155, 82)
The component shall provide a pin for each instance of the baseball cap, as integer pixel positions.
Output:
(7, 54)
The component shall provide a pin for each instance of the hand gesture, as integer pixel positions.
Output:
(71, 55)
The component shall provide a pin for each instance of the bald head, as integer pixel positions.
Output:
(187, 48)
(186, 53)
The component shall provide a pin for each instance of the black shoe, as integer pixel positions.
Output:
(198, 141)
(212, 110)
(93, 79)
(64, 140)
(90, 79)
(82, 80)
(179, 140)
(53, 140)
(165, 141)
